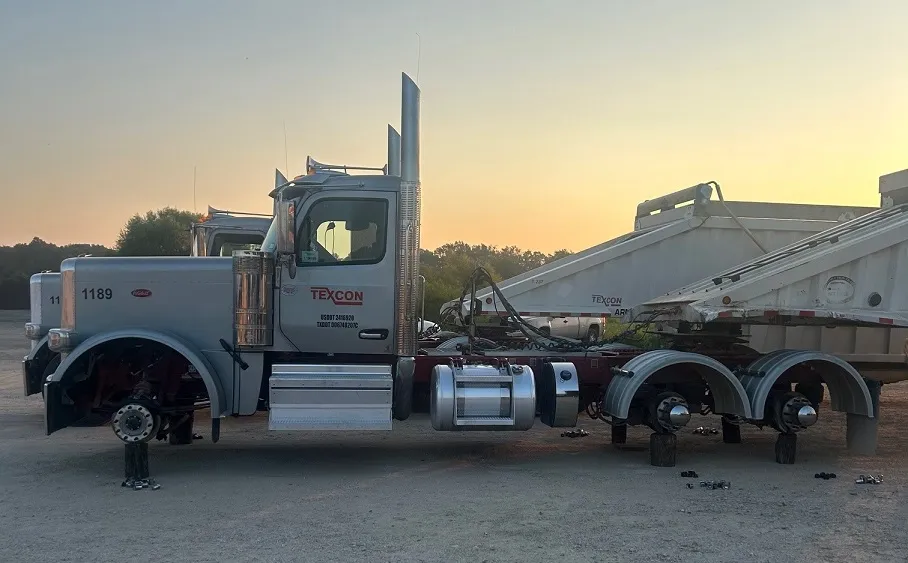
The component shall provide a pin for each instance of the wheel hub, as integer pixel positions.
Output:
(672, 412)
(134, 423)
(794, 413)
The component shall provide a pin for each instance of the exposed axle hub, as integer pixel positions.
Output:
(670, 412)
(135, 423)
(792, 412)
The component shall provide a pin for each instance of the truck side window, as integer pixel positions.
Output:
(343, 231)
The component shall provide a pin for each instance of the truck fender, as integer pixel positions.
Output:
(847, 390)
(37, 349)
(35, 367)
(194, 356)
(728, 393)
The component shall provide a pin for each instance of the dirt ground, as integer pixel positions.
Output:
(419, 495)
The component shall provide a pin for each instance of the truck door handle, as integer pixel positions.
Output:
(374, 334)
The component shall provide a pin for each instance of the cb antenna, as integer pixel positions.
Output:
(286, 165)
(194, 206)
(418, 54)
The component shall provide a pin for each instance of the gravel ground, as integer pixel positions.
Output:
(417, 495)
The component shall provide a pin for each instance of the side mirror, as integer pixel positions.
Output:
(285, 216)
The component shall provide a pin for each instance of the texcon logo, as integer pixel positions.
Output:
(338, 296)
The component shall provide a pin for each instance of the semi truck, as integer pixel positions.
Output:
(218, 233)
(318, 329)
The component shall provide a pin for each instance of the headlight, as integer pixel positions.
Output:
(60, 340)
(33, 331)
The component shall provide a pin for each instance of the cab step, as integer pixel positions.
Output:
(330, 397)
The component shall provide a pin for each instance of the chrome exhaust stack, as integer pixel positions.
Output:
(393, 151)
(409, 211)
(279, 180)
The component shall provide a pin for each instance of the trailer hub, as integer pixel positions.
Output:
(671, 412)
(793, 413)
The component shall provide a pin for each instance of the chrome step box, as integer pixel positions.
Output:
(329, 397)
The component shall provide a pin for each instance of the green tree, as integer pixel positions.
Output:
(449, 266)
(20, 261)
(164, 232)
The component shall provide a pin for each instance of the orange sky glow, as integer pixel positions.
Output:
(543, 126)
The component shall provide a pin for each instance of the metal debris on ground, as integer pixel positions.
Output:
(716, 484)
(824, 475)
(196, 436)
(139, 484)
(705, 430)
(689, 474)
(575, 433)
(869, 479)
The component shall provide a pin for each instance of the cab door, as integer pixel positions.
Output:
(340, 299)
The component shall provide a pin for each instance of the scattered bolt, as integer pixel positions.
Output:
(692, 474)
(196, 436)
(576, 433)
(824, 475)
(716, 484)
(690, 485)
(705, 431)
(139, 484)
(869, 479)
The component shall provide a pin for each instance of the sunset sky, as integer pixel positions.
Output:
(543, 123)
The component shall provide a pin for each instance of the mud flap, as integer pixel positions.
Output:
(36, 370)
(402, 402)
(31, 376)
(57, 415)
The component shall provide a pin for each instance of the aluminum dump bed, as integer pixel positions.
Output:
(668, 248)
(853, 273)
(841, 291)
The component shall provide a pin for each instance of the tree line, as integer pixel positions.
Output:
(165, 232)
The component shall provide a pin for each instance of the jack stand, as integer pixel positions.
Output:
(662, 449)
(786, 448)
(137, 468)
(619, 434)
(731, 433)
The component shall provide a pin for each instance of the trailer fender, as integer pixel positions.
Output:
(847, 390)
(177, 344)
(728, 393)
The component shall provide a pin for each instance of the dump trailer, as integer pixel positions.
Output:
(318, 329)
(217, 234)
(677, 238)
(842, 289)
